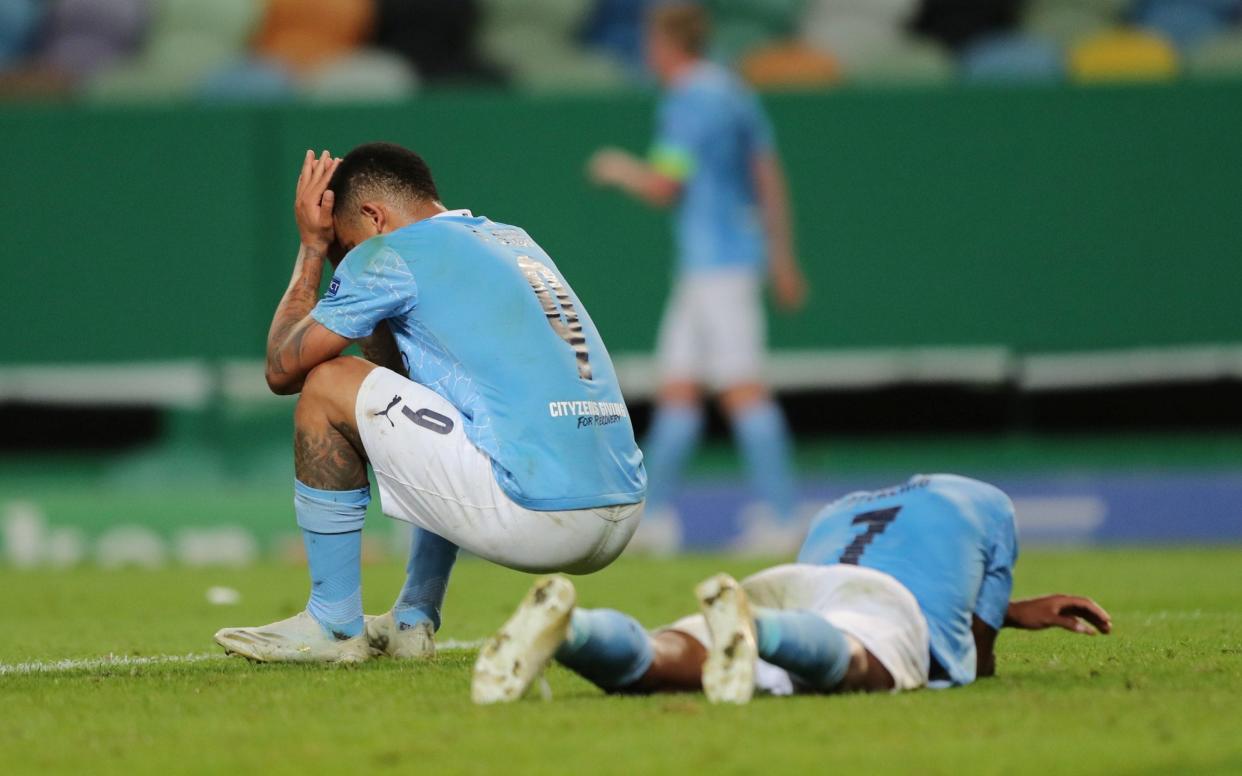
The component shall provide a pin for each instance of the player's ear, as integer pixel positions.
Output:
(373, 217)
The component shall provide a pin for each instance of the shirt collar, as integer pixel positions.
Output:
(461, 213)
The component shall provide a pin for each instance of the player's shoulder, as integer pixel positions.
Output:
(429, 235)
(449, 223)
(367, 254)
(953, 487)
(986, 498)
(707, 85)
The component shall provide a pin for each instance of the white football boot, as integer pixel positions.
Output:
(299, 639)
(516, 655)
(389, 637)
(729, 671)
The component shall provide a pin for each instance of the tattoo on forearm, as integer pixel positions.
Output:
(285, 335)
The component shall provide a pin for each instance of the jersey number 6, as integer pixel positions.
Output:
(544, 283)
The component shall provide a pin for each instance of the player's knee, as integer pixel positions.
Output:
(333, 383)
(333, 376)
(683, 393)
(739, 398)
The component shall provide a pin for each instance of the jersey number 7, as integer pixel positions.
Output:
(876, 522)
(544, 283)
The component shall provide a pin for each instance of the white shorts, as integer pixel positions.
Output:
(872, 607)
(713, 329)
(431, 475)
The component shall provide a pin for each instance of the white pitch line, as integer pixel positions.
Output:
(96, 663)
(127, 661)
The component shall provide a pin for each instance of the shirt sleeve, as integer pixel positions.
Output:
(369, 286)
(683, 124)
(997, 585)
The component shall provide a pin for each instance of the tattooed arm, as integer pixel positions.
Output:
(296, 343)
(381, 348)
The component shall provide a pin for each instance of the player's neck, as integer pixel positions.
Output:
(425, 210)
(420, 212)
(678, 71)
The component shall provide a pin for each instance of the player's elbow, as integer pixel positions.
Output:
(281, 383)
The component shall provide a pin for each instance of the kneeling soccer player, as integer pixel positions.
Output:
(893, 590)
(488, 409)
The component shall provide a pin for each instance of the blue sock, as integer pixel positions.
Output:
(331, 523)
(806, 645)
(607, 648)
(427, 575)
(764, 438)
(673, 435)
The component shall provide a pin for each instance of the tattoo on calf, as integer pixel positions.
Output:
(329, 459)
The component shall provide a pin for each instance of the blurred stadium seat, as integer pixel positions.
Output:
(789, 65)
(535, 41)
(1220, 56)
(1012, 58)
(1067, 22)
(1185, 22)
(249, 80)
(231, 22)
(365, 75)
(83, 37)
(173, 63)
(908, 60)
(19, 22)
(305, 34)
(1123, 54)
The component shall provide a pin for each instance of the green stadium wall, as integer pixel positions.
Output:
(1039, 219)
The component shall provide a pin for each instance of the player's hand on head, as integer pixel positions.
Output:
(312, 205)
(1072, 613)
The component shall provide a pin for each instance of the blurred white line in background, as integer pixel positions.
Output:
(193, 384)
(1059, 519)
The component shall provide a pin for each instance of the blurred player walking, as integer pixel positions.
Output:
(714, 157)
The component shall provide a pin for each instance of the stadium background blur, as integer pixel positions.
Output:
(1019, 220)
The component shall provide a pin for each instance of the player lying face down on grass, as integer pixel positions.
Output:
(487, 406)
(892, 590)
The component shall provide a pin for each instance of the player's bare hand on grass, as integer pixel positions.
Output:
(1073, 613)
(312, 204)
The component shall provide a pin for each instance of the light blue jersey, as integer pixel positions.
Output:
(711, 128)
(483, 317)
(950, 540)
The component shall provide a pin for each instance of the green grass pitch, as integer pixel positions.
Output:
(1162, 695)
